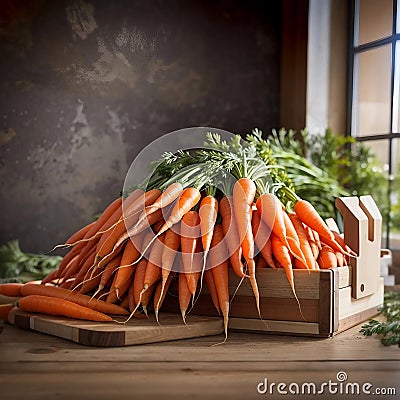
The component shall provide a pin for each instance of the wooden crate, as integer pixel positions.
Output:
(330, 300)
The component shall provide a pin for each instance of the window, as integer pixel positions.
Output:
(373, 115)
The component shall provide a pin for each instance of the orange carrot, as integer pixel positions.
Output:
(244, 191)
(231, 233)
(208, 276)
(137, 229)
(138, 280)
(153, 267)
(327, 258)
(313, 243)
(190, 241)
(79, 234)
(109, 270)
(55, 306)
(309, 216)
(187, 200)
(127, 266)
(304, 243)
(208, 212)
(112, 295)
(120, 228)
(262, 237)
(65, 294)
(184, 295)
(282, 254)
(11, 289)
(146, 297)
(170, 194)
(219, 268)
(160, 293)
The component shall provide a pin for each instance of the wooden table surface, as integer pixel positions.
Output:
(39, 366)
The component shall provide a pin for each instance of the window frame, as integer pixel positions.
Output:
(354, 50)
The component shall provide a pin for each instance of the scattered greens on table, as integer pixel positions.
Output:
(389, 330)
(17, 266)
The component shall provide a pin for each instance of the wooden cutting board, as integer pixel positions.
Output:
(136, 331)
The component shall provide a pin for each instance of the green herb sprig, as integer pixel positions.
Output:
(389, 330)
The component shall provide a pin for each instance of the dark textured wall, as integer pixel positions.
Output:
(85, 85)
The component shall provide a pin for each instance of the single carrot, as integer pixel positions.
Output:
(82, 267)
(172, 242)
(52, 277)
(184, 295)
(65, 263)
(89, 283)
(79, 234)
(11, 289)
(127, 265)
(208, 213)
(208, 276)
(219, 268)
(262, 237)
(170, 194)
(309, 216)
(108, 271)
(112, 295)
(327, 258)
(160, 293)
(282, 254)
(147, 296)
(186, 201)
(153, 267)
(138, 280)
(190, 242)
(136, 230)
(231, 233)
(65, 294)
(313, 243)
(304, 243)
(56, 306)
(244, 191)
(340, 259)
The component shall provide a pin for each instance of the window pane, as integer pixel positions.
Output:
(375, 20)
(395, 197)
(372, 92)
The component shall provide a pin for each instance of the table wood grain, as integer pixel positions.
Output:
(39, 366)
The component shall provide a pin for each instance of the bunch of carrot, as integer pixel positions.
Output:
(138, 246)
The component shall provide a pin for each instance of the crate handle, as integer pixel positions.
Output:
(362, 224)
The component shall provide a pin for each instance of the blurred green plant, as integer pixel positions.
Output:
(17, 266)
(325, 166)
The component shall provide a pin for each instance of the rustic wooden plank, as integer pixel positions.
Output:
(271, 326)
(326, 303)
(274, 283)
(23, 347)
(181, 383)
(135, 331)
